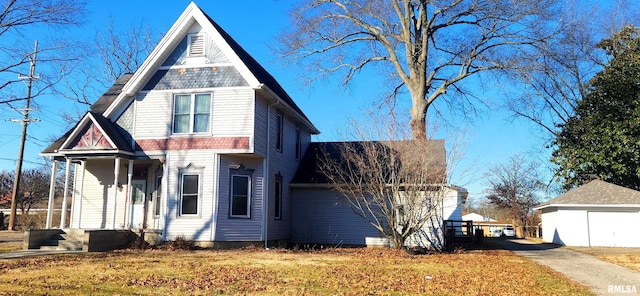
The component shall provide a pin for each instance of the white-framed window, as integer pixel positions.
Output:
(279, 131)
(240, 193)
(196, 44)
(189, 202)
(277, 213)
(191, 113)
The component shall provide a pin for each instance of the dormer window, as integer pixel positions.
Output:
(196, 45)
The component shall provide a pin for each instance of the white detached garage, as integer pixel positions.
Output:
(595, 214)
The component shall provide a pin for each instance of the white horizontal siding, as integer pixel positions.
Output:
(198, 228)
(153, 115)
(231, 114)
(97, 198)
(240, 229)
(233, 111)
(320, 216)
(284, 163)
(260, 125)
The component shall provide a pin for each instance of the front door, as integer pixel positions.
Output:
(139, 192)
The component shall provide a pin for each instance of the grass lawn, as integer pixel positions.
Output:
(627, 257)
(256, 271)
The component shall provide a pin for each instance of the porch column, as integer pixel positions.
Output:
(128, 198)
(80, 192)
(52, 192)
(116, 174)
(63, 214)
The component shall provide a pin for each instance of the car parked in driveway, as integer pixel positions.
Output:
(496, 232)
(508, 231)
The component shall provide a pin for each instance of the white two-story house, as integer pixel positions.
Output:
(200, 142)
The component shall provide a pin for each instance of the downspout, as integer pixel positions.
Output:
(265, 176)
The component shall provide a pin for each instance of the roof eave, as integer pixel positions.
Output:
(298, 116)
(586, 206)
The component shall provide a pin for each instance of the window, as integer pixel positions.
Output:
(277, 214)
(196, 45)
(240, 197)
(191, 113)
(298, 144)
(279, 127)
(189, 194)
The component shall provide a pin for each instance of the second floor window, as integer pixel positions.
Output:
(191, 113)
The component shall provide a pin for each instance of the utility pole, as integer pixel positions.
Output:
(25, 121)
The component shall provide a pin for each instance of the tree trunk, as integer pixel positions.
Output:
(418, 117)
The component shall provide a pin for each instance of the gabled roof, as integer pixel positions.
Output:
(110, 95)
(596, 192)
(309, 171)
(93, 134)
(97, 108)
(249, 68)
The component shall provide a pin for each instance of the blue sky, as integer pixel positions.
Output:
(490, 137)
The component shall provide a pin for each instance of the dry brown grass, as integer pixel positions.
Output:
(631, 261)
(626, 257)
(283, 272)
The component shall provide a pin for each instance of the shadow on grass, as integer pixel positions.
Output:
(509, 244)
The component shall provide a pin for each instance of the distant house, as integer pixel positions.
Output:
(202, 142)
(595, 214)
(476, 218)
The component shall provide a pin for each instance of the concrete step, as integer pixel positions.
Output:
(70, 240)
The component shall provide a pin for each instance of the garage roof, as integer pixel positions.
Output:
(596, 192)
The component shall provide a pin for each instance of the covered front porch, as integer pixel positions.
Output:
(108, 193)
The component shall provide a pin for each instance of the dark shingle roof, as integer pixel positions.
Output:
(97, 108)
(261, 74)
(309, 171)
(597, 192)
(110, 95)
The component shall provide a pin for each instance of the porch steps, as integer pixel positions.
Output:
(69, 240)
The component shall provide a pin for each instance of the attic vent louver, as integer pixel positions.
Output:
(196, 45)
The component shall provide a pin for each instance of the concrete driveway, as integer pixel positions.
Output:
(604, 278)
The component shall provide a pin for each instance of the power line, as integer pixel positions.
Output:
(25, 122)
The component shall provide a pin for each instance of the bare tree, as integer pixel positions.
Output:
(110, 55)
(397, 185)
(18, 16)
(561, 67)
(515, 186)
(6, 185)
(429, 47)
(34, 188)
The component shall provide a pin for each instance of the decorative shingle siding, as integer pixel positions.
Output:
(193, 144)
(124, 124)
(194, 78)
(179, 55)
